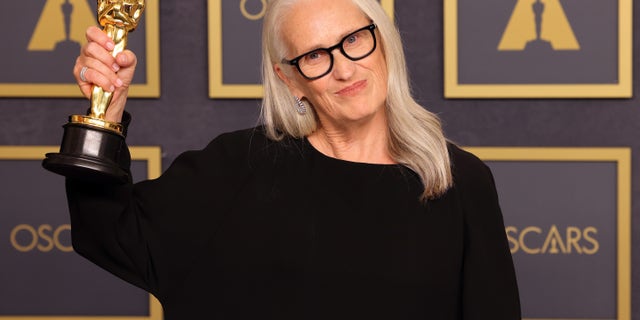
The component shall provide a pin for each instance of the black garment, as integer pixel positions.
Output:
(249, 228)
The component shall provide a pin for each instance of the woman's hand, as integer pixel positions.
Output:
(102, 69)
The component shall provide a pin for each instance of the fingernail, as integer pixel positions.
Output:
(110, 45)
(119, 82)
(112, 88)
(115, 67)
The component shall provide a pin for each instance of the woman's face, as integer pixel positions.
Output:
(354, 91)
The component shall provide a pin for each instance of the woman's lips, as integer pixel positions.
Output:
(353, 89)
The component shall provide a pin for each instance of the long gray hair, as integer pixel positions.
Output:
(416, 139)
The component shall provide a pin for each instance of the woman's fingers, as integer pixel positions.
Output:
(96, 66)
(96, 51)
(127, 61)
(94, 34)
(95, 73)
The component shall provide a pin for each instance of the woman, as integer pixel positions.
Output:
(347, 203)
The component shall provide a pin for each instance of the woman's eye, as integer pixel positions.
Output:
(352, 39)
(314, 57)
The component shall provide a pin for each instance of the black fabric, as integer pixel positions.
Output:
(249, 228)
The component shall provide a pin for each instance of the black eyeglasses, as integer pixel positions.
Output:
(318, 63)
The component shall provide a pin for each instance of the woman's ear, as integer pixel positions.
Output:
(291, 83)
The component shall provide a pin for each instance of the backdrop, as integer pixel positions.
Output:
(574, 258)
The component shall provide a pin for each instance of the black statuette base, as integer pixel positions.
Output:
(91, 154)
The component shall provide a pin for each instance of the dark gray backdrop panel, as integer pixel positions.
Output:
(185, 118)
(567, 283)
(52, 281)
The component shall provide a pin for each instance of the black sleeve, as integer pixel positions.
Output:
(150, 233)
(489, 289)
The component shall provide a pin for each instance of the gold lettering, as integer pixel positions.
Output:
(554, 239)
(56, 238)
(14, 240)
(45, 237)
(251, 16)
(593, 241)
(554, 243)
(574, 235)
(513, 242)
(523, 234)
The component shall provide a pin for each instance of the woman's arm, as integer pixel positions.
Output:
(489, 283)
(152, 233)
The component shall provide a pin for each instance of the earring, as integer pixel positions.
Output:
(300, 107)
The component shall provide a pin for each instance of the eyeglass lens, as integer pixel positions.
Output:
(354, 46)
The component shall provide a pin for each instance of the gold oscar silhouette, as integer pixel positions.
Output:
(91, 146)
(538, 25)
(61, 25)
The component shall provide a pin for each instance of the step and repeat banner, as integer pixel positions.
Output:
(42, 278)
(567, 214)
(45, 34)
(567, 210)
(538, 48)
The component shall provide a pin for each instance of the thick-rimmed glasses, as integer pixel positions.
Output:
(318, 63)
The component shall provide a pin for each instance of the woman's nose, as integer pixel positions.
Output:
(343, 67)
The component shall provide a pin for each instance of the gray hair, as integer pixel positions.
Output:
(416, 139)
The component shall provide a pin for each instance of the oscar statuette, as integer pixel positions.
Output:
(91, 146)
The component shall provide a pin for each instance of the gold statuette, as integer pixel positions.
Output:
(118, 17)
(93, 148)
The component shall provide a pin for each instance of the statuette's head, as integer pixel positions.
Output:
(123, 13)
